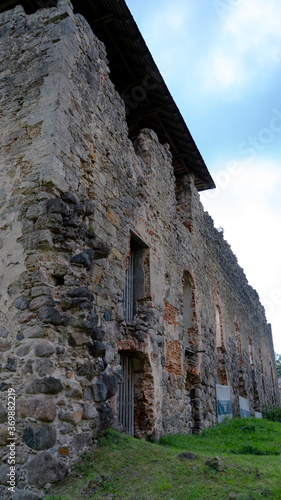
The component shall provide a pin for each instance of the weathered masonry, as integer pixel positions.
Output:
(121, 304)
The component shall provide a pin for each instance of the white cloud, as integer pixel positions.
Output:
(242, 206)
(165, 28)
(248, 41)
(168, 19)
(225, 71)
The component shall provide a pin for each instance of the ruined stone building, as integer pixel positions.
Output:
(120, 305)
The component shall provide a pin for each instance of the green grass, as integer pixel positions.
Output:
(141, 470)
(242, 437)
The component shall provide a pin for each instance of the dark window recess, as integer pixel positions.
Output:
(135, 285)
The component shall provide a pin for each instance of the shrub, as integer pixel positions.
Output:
(271, 413)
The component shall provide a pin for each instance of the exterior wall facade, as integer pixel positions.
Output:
(78, 199)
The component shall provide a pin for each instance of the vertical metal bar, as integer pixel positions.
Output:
(129, 402)
(120, 399)
(126, 394)
(128, 406)
(127, 296)
(129, 290)
(132, 287)
(123, 399)
(119, 405)
(133, 397)
(127, 293)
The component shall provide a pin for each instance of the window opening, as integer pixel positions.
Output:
(129, 290)
(136, 277)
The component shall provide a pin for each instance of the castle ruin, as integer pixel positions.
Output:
(121, 305)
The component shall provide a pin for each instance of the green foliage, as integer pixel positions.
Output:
(140, 470)
(271, 413)
(82, 466)
(55, 497)
(115, 438)
(278, 364)
(244, 437)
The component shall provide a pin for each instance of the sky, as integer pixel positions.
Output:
(221, 60)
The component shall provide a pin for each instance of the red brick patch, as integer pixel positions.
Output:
(170, 313)
(174, 357)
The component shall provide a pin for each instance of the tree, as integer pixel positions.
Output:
(278, 364)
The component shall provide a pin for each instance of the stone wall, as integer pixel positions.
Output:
(75, 194)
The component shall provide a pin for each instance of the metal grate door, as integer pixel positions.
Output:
(126, 396)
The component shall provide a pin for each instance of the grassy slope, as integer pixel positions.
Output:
(250, 448)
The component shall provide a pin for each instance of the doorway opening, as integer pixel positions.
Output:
(136, 396)
(126, 396)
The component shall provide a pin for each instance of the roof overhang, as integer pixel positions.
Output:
(138, 80)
